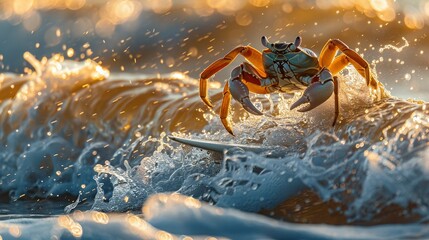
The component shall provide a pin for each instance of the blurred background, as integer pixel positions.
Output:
(163, 36)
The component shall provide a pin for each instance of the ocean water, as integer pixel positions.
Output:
(86, 155)
(85, 152)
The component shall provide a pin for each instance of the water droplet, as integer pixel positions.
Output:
(407, 76)
(70, 52)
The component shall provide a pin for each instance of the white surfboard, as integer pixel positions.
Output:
(220, 147)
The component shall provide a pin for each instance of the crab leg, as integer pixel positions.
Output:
(337, 101)
(225, 108)
(330, 50)
(250, 54)
(342, 60)
(338, 64)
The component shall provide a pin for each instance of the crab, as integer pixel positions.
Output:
(288, 68)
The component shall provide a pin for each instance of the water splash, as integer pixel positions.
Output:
(397, 49)
(348, 166)
(65, 118)
(107, 141)
(72, 206)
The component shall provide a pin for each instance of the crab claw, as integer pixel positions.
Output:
(316, 94)
(240, 92)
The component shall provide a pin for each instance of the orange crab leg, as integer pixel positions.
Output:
(252, 81)
(341, 61)
(250, 54)
(330, 50)
(225, 108)
(338, 64)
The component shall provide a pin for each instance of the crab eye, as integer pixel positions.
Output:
(292, 47)
(265, 41)
(298, 41)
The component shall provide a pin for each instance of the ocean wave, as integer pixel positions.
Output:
(181, 217)
(71, 129)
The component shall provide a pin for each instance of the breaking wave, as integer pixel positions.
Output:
(72, 131)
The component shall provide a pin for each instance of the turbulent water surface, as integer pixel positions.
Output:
(74, 137)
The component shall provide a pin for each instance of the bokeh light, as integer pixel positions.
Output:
(137, 35)
(108, 14)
